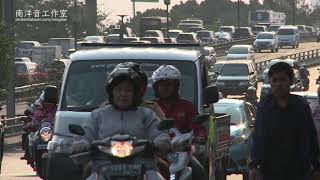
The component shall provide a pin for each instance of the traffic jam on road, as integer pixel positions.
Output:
(163, 98)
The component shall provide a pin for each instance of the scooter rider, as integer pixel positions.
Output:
(124, 114)
(251, 96)
(166, 83)
(304, 74)
(47, 110)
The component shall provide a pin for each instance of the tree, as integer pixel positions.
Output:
(5, 48)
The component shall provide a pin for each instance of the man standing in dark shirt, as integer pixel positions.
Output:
(284, 145)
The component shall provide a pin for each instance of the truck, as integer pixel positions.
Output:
(80, 95)
(266, 17)
(65, 43)
(44, 56)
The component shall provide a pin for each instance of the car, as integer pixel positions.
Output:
(241, 52)
(154, 34)
(243, 32)
(259, 28)
(297, 84)
(274, 28)
(223, 37)
(153, 40)
(24, 49)
(206, 37)
(228, 29)
(130, 39)
(215, 71)
(266, 41)
(95, 39)
(302, 28)
(288, 36)
(241, 127)
(83, 90)
(310, 29)
(26, 72)
(311, 97)
(293, 63)
(187, 38)
(236, 76)
(173, 33)
(140, 42)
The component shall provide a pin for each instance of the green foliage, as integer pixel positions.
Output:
(5, 48)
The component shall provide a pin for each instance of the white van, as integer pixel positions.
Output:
(288, 36)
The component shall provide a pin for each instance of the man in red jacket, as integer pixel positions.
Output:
(166, 83)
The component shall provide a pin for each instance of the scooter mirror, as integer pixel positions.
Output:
(76, 129)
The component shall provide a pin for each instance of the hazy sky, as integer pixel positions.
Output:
(125, 6)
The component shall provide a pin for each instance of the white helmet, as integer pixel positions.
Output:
(165, 72)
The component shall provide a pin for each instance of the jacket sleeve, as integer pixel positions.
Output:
(257, 140)
(311, 132)
(91, 126)
(152, 131)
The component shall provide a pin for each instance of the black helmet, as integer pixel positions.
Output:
(120, 74)
(50, 94)
(137, 68)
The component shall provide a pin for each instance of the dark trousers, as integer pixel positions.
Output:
(198, 171)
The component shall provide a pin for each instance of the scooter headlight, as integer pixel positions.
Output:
(46, 134)
(118, 149)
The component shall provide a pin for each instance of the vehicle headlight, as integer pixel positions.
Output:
(243, 83)
(119, 149)
(46, 134)
(220, 83)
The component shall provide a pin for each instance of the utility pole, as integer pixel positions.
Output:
(75, 23)
(238, 14)
(293, 12)
(167, 3)
(9, 22)
(134, 8)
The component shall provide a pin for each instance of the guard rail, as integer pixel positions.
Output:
(13, 126)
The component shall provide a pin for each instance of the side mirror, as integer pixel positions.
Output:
(76, 129)
(199, 119)
(166, 124)
(227, 52)
(210, 94)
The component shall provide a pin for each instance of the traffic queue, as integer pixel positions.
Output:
(158, 116)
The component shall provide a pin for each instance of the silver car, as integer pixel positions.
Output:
(266, 41)
(241, 52)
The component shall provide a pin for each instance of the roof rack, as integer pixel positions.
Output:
(194, 46)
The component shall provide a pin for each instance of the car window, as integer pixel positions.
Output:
(285, 32)
(82, 92)
(238, 50)
(265, 36)
(21, 68)
(236, 113)
(234, 70)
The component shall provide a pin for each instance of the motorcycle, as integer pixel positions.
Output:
(179, 158)
(181, 143)
(40, 153)
(118, 153)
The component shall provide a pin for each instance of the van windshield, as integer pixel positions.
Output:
(84, 88)
(21, 68)
(285, 32)
(234, 70)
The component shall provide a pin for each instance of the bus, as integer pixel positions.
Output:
(267, 18)
(153, 23)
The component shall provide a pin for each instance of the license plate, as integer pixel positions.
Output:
(173, 157)
(121, 170)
